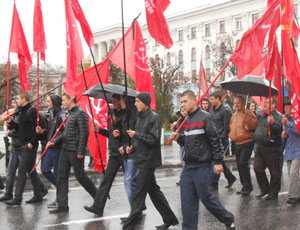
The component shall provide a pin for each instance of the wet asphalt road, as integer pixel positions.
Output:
(250, 213)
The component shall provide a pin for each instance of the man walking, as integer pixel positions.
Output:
(75, 138)
(202, 145)
(147, 157)
(221, 116)
(268, 151)
(242, 125)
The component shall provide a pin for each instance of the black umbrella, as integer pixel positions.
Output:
(249, 85)
(110, 89)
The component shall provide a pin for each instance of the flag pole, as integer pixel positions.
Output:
(38, 91)
(7, 84)
(270, 101)
(202, 96)
(92, 113)
(125, 70)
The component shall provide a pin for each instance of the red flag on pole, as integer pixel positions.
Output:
(74, 49)
(136, 60)
(18, 44)
(99, 108)
(249, 51)
(202, 80)
(39, 39)
(86, 30)
(157, 24)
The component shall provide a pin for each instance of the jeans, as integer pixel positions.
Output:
(113, 165)
(194, 186)
(243, 153)
(66, 160)
(130, 177)
(294, 179)
(51, 161)
(27, 162)
(146, 183)
(14, 159)
(214, 178)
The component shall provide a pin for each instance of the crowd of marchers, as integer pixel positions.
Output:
(133, 134)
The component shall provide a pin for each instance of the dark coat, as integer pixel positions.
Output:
(221, 118)
(76, 133)
(146, 141)
(200, 139)
(261, 135)
(15, 142)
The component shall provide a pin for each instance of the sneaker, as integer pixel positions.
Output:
(52, 204)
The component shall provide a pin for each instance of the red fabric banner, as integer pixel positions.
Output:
(74, 49)
(249, 51)
(18, 44)
(202, 85)
(99, 110)
(86, 30)
(39, 39)
(137, 66)
(157, 24)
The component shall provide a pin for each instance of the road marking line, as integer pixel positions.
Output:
(86, 220)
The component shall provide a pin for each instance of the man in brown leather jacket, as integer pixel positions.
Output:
(242, 124)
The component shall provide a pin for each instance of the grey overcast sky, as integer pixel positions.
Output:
(99, 13)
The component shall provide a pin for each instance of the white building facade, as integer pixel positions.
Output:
(193, 32)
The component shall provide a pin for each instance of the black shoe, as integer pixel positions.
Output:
(292, 201)
(59, 209)
(166, 226)
(271, 197)
(239, 192)
(5, 197)
(94, 210)
(230, 183)
(44, 193)
(35, 199)
(231, 227)
(246, 192)
(261, 194)
(14, 201)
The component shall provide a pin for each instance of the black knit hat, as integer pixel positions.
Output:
(145, 98)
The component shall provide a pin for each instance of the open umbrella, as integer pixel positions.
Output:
(110, 89)
(250, 85)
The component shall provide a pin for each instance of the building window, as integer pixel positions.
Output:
(208, 74)
(193, 32)
(207, 29)
(193, 54)
(180, 35)
(168, 59)
(222, 26)
(207, 52)
(254, 18)
(180, 57)
(238, 23)
(194, 76)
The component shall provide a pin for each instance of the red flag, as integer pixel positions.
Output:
(39, 39)
(86, 30)
(18, 44)
(74, 48)
(202, 80)
(99, 108)
(249, 51)
(157, 24)
(136, 60)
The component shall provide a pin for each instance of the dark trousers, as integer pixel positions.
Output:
(268, 157)
(51, 162)
(66, 160)
(113, 165)
(243, 153)
(146, 183)
(14, 159)
(26, 164)
(194, 186)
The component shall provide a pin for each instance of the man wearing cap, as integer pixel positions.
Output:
(147, 157)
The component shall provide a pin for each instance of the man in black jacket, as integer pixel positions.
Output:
(202, 145)
(221, 115)
(75, 137)
(268, 151)
(29, 143)
(147, 157)
(50, 160)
